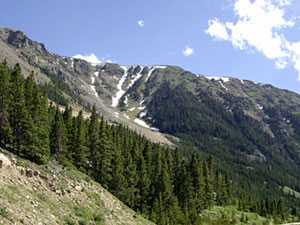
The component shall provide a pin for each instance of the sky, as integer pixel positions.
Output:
(256, 40)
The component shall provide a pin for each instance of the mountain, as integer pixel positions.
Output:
(251, 129)
(32, 194)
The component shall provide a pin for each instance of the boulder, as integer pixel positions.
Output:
(29, 172)
(4, 161)
(78, 188)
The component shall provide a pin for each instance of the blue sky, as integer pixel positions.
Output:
(258, 40)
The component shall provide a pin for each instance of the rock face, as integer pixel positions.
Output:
(4, 161)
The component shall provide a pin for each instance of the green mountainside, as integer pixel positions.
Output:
(251, 130)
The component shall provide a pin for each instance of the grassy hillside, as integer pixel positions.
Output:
(32, 194)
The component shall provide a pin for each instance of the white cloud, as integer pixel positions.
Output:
(260, 27)
(188, 51)
(141, 23)
(217, 30)
(91, 58)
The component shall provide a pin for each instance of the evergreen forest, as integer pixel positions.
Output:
(156, 181)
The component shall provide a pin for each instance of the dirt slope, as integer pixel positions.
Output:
(31, 194)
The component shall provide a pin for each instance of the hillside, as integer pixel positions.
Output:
(251, 129)
(32, 194)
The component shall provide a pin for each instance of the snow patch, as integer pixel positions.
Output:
(126, 116)
(152, 69)
(223, 86)
(126, 100)
(224, 79)
(138, 76)
(141, 107)
(154, 129)
(93, 80)
(142, 102)
(143, 114)
(94, 90)
(131, 109)
(141, 123)
(116, 114)
(119, 94)
(242, 81)
(96, 74)
(260, 107)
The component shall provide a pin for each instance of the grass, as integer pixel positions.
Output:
(42, 197)
(76, 175)
(3, 212)
(230, 215)
(291, 191)
(87, 216)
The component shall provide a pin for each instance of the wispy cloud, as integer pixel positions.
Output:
(141, 23)
(260, 27)
(188, 51)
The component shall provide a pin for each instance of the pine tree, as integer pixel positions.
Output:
(80, 149)
(143, 185)
(117, 185)
(19, 117)
(196, 168)
(106, 150)
(208, 185)
(71, 134)
(93, 141)
(58, 138)
(5, 128)
(38, 143)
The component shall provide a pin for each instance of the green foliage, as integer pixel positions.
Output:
(69, 221)
(153, 180)
(57, 88)
(3, 212)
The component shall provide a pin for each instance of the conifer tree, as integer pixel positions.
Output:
(19, 118)
(208, 185)
(38, 144)
(5, 128)
(106, 150)
(93, 141)
(58, 137)
(143, 185)
(71, 137)
(196, 168)
(80, 150)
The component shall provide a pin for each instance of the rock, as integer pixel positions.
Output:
(29, 172)
(4, 161)
(36, 173)
(58, 192)
(13, 160)
(21, 170)
(78, 188)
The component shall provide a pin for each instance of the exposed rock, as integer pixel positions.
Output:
(58, 192)
(21, 170)
(78, 188)
(29, 172)
(4, 161)
(36, 173)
